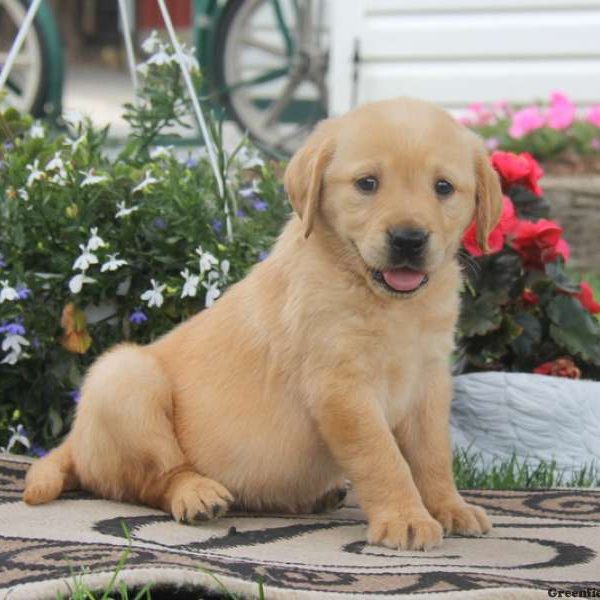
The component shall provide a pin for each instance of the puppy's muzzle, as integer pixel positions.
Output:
(407, 246)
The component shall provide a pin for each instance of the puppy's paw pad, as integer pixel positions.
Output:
(199, 499)
(417, 531)
(461, 518)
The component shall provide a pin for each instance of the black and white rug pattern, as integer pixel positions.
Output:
(541, 540)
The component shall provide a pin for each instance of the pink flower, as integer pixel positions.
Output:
(481, 114)
(595, 144)
(561, 112)
(593, 115)
(525, 121)
(492, 143)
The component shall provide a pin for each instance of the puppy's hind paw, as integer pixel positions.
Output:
(330, 500)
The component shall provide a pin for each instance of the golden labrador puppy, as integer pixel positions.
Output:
(331, 359)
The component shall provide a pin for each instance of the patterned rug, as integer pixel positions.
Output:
(541, 540)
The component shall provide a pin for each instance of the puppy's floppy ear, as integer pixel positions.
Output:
(488, 196)
(303, 179)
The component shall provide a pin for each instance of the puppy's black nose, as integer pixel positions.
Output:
(407, 243)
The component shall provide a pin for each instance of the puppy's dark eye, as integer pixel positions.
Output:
(368, 185)
(443, 188)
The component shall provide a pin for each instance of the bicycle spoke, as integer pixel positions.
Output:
(274, 112)
(283, 28)
(269, 48)
(264, 78)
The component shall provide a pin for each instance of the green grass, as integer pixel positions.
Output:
(516, 474)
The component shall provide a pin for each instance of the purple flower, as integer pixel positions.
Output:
(263, 254)
(38, 450)
(2, 261)
(260, 205)
(217, 226)
(191, 162)
(35, 343)
(75, 396)
(159, 223)
(23, 291)
(8, 145)
(137, 317)
(14, 328)
(240, 213)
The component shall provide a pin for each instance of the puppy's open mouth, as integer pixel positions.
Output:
(400, 281)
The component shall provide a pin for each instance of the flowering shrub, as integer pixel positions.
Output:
(521, 310)
(547, 132)
(96, 250)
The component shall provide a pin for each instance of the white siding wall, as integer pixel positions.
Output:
(455, 52)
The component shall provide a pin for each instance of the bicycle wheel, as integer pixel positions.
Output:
(271, 64)
(26, 86)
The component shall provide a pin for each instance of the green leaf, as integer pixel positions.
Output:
(574, 329)
(530, 337)
(556, 272)
(479, 317)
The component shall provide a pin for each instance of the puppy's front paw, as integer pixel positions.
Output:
(199, 499)
(459, 517)
(411, 531)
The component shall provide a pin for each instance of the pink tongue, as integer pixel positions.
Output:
(403, 280)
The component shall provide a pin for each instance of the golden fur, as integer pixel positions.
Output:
(307, 371)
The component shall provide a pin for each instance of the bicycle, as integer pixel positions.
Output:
(35, 83)
(264, 63)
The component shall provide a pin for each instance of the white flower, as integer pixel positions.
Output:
(154, 296)
(123, 211)
(162, 57)
(225, 265)
(59, 178)
(207, 260)
(85, 259)
(11, 358)
(151, 43)
(161, 152)
(212, 293)
(37, 131)
(190, 287)
(18, 435)
(142, 69)
(92, 179)
(14, 342)
(76, 282)
(7, 292)
(34, 173)
(23, 194)
(56, 162)
(74, 144)
(146, 182)
(212, 276)
(249, 158)
(249, 192)
(113, 263)
(95, 240)
(73, 117)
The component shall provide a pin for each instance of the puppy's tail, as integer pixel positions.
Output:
(48, 477)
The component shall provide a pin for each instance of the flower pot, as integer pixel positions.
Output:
(531, 417)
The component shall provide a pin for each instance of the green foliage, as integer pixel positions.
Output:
(64, 196)
(515, 474)
(521, 309)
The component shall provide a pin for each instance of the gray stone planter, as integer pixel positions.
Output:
(533, 417)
